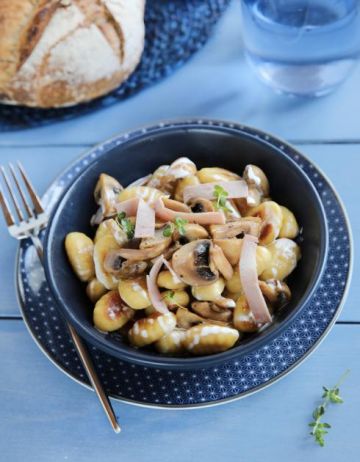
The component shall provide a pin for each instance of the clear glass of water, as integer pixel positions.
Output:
(302, 47)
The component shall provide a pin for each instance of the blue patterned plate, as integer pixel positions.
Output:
(231, 380)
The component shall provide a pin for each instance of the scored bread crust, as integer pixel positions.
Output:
(57, 53)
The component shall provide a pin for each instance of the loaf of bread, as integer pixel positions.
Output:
(57, 53)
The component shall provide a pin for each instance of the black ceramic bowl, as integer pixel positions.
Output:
(207, 144)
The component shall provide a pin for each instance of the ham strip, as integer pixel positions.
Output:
(145, 220)
(235, 189)
(129, 206)
(206, 218)
(152, 287)
(249, 280)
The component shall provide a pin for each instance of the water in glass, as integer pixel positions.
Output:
(304, 47)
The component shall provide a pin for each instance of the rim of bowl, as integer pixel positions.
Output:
(159, 361)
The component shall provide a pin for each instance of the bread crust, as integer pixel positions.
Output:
(63, 52)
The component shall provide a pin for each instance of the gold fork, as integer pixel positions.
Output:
(29, 227)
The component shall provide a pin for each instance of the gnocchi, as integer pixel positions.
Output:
(171, 343)
(148, 330)
(187, 272)
(214, 174)
(176, 298)
(289, 226)
(167, 281)
(243, 319)
(211, 292)
(111, 313)
(79, 249)
(285, 254)
(134, 292)
(209, 338)
(95, 290)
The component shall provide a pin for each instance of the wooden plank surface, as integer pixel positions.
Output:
(337, 161)
(46, 417)
(216, 83)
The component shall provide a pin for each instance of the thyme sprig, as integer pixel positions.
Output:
(330, 395)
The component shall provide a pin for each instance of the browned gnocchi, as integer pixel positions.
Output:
(187, 261)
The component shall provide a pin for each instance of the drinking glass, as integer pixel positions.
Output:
(303, 47)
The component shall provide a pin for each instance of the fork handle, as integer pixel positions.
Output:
(38, 246)
(85, 357)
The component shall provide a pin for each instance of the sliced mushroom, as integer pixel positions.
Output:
(231, 210)
(186, 319)
(193, 264)
(221, 262)
(271, 215)
(165, 177)
(169, 252)
(191, 180)
(149, 248)
(111, 227)
(106, 193)
(253, 199)
(160, 180)
(139, 254)
(182, 168)
(248, 225)
(276, 292)
(131, 269)
(102, 248)
(199, 205)
(159, 241)
(192, 232)
(258, 188)
(113, 262)
(126, 269)
(209, 310)
(254, 176)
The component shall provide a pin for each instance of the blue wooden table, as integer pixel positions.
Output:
(45, 416)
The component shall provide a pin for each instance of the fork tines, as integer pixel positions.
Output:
(28, 215)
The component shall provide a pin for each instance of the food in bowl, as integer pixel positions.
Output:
(187, 261)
